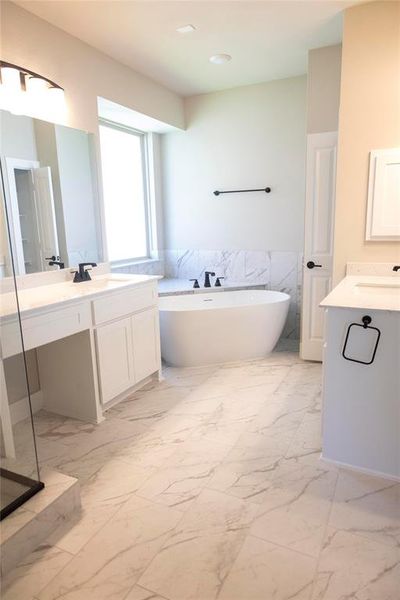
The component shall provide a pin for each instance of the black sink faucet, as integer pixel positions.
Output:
(58, 263)
(207, 278)
(55, 260)
(82, 274)
(396, 268)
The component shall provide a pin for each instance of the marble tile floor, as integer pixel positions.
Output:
(209, 485)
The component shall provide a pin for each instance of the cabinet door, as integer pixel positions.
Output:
(115, 356)
(146, 343)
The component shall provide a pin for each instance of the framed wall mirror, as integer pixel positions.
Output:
(50, 192)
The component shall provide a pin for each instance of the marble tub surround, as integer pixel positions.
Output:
(279, 271)
(216, 491)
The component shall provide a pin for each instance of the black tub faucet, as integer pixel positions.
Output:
(396, 268)
(207, 278)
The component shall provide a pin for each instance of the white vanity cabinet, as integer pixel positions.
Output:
(115, 358)
(95, 342)
(128, 349)
(127, 339)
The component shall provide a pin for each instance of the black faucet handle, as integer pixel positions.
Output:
(196, 283)
(396, 268)
(218, 281)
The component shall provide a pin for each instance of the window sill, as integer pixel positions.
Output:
(131, 263)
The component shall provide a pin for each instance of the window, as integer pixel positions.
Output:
(124, 167)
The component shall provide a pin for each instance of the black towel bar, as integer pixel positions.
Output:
(266, 190)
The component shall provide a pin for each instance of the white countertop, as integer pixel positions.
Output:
(35, 298)
(366, 291)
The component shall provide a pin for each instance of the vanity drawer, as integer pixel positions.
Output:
(45, 328)
(124, 303)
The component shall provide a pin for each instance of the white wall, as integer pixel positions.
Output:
(247, 137)
(369, 119)
(323, 88)
(82, 71)
(17, 136)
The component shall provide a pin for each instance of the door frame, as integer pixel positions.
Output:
(313, 349)
(11, 200)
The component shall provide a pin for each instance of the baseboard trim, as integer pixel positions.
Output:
(356, 469)
(19, 411)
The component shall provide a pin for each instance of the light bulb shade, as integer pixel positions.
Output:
(35, 85)
(11, 79)
(56, 94)
(11, 94)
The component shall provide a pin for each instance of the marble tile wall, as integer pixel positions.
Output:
(281, 271)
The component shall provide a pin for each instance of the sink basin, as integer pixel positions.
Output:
(104, 282)
(392, 289)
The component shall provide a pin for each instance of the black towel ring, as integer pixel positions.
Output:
(366, 320)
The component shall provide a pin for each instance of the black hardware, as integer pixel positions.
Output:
(366, 320)
(207, 278)
(54, 257)
(196, 283)
(218, 282)
(396, 268)
(266, 190)
(32, 486)
(56, 262)
(311, 264)
(83, 274)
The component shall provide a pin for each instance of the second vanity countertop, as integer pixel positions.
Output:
(365, 291)
(35, 298)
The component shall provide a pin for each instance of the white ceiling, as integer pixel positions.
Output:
(267, 40)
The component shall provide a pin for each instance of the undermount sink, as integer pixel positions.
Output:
(104, 282)
(393, 289)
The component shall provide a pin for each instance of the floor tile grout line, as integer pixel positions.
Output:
(289, 548)
(109, 519)
(88, 541)
(318, 561)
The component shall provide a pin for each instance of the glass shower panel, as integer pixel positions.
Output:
(19, 468)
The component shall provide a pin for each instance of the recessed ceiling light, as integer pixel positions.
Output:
(186, 28)
(220, 59)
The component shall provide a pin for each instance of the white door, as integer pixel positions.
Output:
(146, 349)
(115, 356)
(318, 243)
(46, 215)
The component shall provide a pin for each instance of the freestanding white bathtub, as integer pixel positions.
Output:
(201, 329)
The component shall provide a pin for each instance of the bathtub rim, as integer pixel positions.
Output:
(283, 298)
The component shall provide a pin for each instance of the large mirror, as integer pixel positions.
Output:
(49, 189)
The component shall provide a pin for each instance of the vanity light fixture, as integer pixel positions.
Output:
(186, 28)
(24, 92)
(220, 59)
